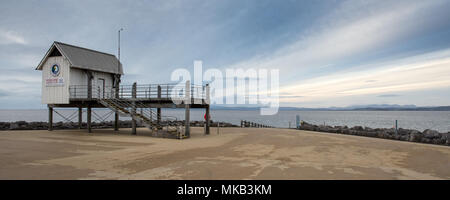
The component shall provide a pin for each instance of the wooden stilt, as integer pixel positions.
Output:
(50, 118)
(133, 121)
(187, 103)
(116, 114)
(80, 117)
(116, 121)
(187, 121)
(158, 110)
(89, 112)
(207, 120)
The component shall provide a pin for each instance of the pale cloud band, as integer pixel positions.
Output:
(11, 37)
(425, 74)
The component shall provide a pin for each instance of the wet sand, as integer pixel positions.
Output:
(235, 153)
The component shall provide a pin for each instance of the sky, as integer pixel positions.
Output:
(329, 53)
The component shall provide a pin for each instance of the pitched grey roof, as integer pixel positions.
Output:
(83, 58)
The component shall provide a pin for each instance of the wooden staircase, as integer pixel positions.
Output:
(128, 107)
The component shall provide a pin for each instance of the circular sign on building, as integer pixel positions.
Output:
(55, 70)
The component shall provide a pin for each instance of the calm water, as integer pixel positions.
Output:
(420, 120)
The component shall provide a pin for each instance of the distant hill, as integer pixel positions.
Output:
(372, 107)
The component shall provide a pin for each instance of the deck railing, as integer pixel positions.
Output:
(144, 91)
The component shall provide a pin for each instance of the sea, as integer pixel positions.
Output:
(419, 120)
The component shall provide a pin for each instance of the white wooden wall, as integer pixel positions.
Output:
(55, 94)
(79, 77)
(59, 94)
(105, 76)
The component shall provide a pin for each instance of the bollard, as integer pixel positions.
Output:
(218, 126)
(396, 127)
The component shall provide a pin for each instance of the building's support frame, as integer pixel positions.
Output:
(89, 107)
(50, 118)
(116, 95)
(89, 103)
(89, 112)
(158, 110)
(207, 120)
(207, 115)
(187, 103)
(80, 117)
(133, 110)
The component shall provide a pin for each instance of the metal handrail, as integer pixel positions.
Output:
(142, 91)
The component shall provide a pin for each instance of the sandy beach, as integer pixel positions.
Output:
(235, 153)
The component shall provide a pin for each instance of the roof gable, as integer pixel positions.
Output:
(84, 58)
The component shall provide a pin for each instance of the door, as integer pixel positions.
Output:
(101, 88)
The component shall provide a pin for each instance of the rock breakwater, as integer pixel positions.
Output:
(427, 136)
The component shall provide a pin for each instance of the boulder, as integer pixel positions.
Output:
(431, 134)
(402, 131)
(415, 136)
(358, 128)
(13, 126)
(447, 139)
(346, 131)
(367, 129)
(390, 131)
(426, 140)
(404, 137)
(372, 134)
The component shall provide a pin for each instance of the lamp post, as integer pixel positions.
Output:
(117, 82)
(118, 53)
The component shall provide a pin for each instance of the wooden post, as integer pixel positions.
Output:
(50, 118)
(80, 117)
(207, 94)
(207, 110)
(116, 114)
(116, 121)
(218, 126)
(89, 83)
(89, 112)
(207, 120)
(187, 103)
(158, 110)
(133, 109)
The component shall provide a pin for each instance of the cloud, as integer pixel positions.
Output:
(4, 93)
(432, 72)
(309, 49)
(11, 37)
(388, 95)
(343, 35)
(289, 96)
(327, 57)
